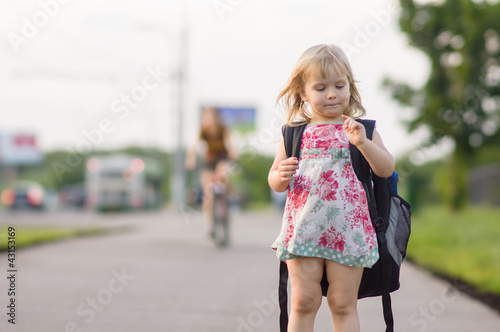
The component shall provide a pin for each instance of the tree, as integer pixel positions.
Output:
(461, 98)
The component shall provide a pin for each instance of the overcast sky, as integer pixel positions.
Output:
(71, 69)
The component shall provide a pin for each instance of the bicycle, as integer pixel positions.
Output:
(220, 214)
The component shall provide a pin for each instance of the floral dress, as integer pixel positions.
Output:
(326, 213)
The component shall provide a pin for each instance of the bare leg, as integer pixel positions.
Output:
(222, 172)
(206, 182)
(305, 277)
(343, 295)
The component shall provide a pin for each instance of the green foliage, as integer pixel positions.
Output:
(422, 185)
(58, 168)
(461, 98)
(61, 168)
(460, 245)
(26, 236)
(254, 170)
(488, 155)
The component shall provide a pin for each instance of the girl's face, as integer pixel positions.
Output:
(209, 117)
(328, 97)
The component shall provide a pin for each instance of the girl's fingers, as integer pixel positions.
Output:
(287, 168)
(290, 163)
(351, 125)
(287, 173)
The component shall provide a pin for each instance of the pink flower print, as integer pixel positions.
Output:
(328, 186)
(356, 218)
(332, 192)
(289, 230)
(363, 200)
(299, 192)
(351, 196)
(321, 144)
(347, 172)
(341, 137)
(371, 240)
(357, 187)
(368, 225)
(322, 132)
(298, 186)
(307, 142)
(327, 177)
(339, 243)
(298, 201)
(332, 239)
(326, 239)
(330, 195)
(363, 217)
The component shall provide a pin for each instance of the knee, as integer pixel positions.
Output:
(208, 190)
(340, 306)
(304, 304)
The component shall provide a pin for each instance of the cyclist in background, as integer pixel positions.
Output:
(218, 151)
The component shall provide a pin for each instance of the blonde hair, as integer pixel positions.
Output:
(318, 57)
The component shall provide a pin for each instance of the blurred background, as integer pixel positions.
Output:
(81, 79)
(99, 102)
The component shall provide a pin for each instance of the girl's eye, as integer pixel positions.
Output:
(340, 86)
(321, 88)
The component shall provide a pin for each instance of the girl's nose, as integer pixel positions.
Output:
(331, 93)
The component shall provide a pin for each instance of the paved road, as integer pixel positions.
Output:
(164, 275)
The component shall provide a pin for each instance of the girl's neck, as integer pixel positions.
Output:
(324, 123)
(323, 119)
(317, 120)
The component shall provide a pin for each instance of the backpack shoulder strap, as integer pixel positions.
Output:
(359, 163)
(363, 170)
(375, 185)
(292, 136)
(283, 296)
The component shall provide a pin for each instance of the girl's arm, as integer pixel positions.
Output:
(380, 160)
(233, 155)
(190, 161)
(282, 170)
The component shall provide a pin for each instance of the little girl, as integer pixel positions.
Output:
(326, 224)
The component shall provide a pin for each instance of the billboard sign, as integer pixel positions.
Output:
(19, 149)
(240, 119)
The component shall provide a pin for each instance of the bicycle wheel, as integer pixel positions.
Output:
(221, 220)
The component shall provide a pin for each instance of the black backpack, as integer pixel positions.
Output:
(390, 215)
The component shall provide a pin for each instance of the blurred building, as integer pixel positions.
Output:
(122, 182)
(18, 150)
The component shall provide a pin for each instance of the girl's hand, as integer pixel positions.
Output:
(355, 131)
(190, 163)
(233, 155)
(287, 169)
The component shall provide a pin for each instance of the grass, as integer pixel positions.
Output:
(259, 206)
(463, 245)
(26, 236)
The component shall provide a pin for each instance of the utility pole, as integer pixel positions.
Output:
(179, 180)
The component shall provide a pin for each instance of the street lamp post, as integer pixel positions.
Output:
(179, 180)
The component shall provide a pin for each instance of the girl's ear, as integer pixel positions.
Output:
(302, 93)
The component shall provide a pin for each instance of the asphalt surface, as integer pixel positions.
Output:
(161, 273)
